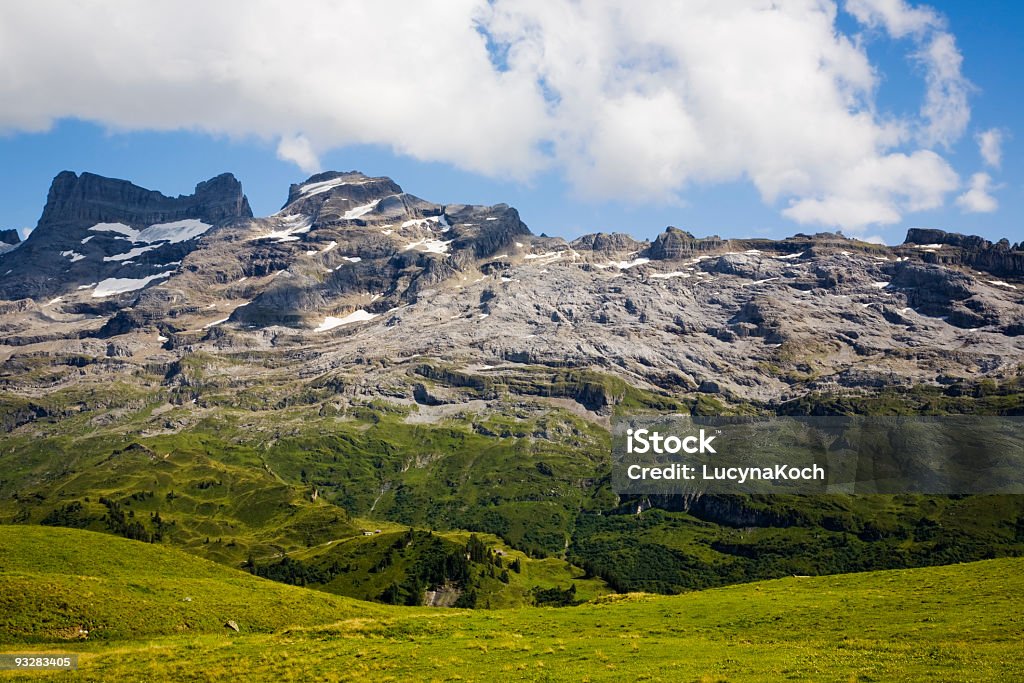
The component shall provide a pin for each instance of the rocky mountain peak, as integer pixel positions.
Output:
(95, 229)
(353, 187)
(97, 199)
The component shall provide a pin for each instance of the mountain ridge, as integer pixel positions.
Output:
(355, 259)
(89, 220)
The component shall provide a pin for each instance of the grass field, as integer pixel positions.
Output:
(953, 623)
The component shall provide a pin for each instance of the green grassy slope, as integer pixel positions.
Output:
(54, 582)
(194, 490)
(953, 623)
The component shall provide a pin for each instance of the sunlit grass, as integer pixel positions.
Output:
(954, 623)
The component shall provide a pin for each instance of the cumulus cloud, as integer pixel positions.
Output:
(978, 197)
(413, 76)
(990, 144)
(878, 190)
(298, 150)
(632, 102)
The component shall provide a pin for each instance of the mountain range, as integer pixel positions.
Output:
(365, 353)
(356, 270)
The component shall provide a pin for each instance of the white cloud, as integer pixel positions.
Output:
(298, 150)
(409, 75)
(632, 102)
(990, 144)
(945, 110)
(978, 197)
(945, 107)
(878, 191)
(898, 18)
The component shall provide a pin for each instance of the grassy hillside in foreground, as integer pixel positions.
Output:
(954, 623)
(54, 582)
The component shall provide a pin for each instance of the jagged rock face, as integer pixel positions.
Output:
(480, 232)
(939, 246)
(355, 273)
(676, 244)
(110, 234)
(939, 292)
(351, 241)
(94, 199)
(933, 236)
(613, 246)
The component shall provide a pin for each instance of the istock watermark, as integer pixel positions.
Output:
(643, 441)
(683, 454)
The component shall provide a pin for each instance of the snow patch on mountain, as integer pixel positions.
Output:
(330, 322)
(1000, 283)
(118, 228)
(624, 265)
(131, 253)
(215, 323)
(424, 221)
(545, 255)
(358, 211)
(311, 189)
(173, 232)
(430, 246)
(291, 225)
(118, 285)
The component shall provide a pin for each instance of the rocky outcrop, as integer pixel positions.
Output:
(746, 266)
(949, 248)
(92, 199)
(676, 244)
(479, 232)
(940, 292)
(614, 245)
(67, 250)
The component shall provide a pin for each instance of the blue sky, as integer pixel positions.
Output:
(632, 140)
